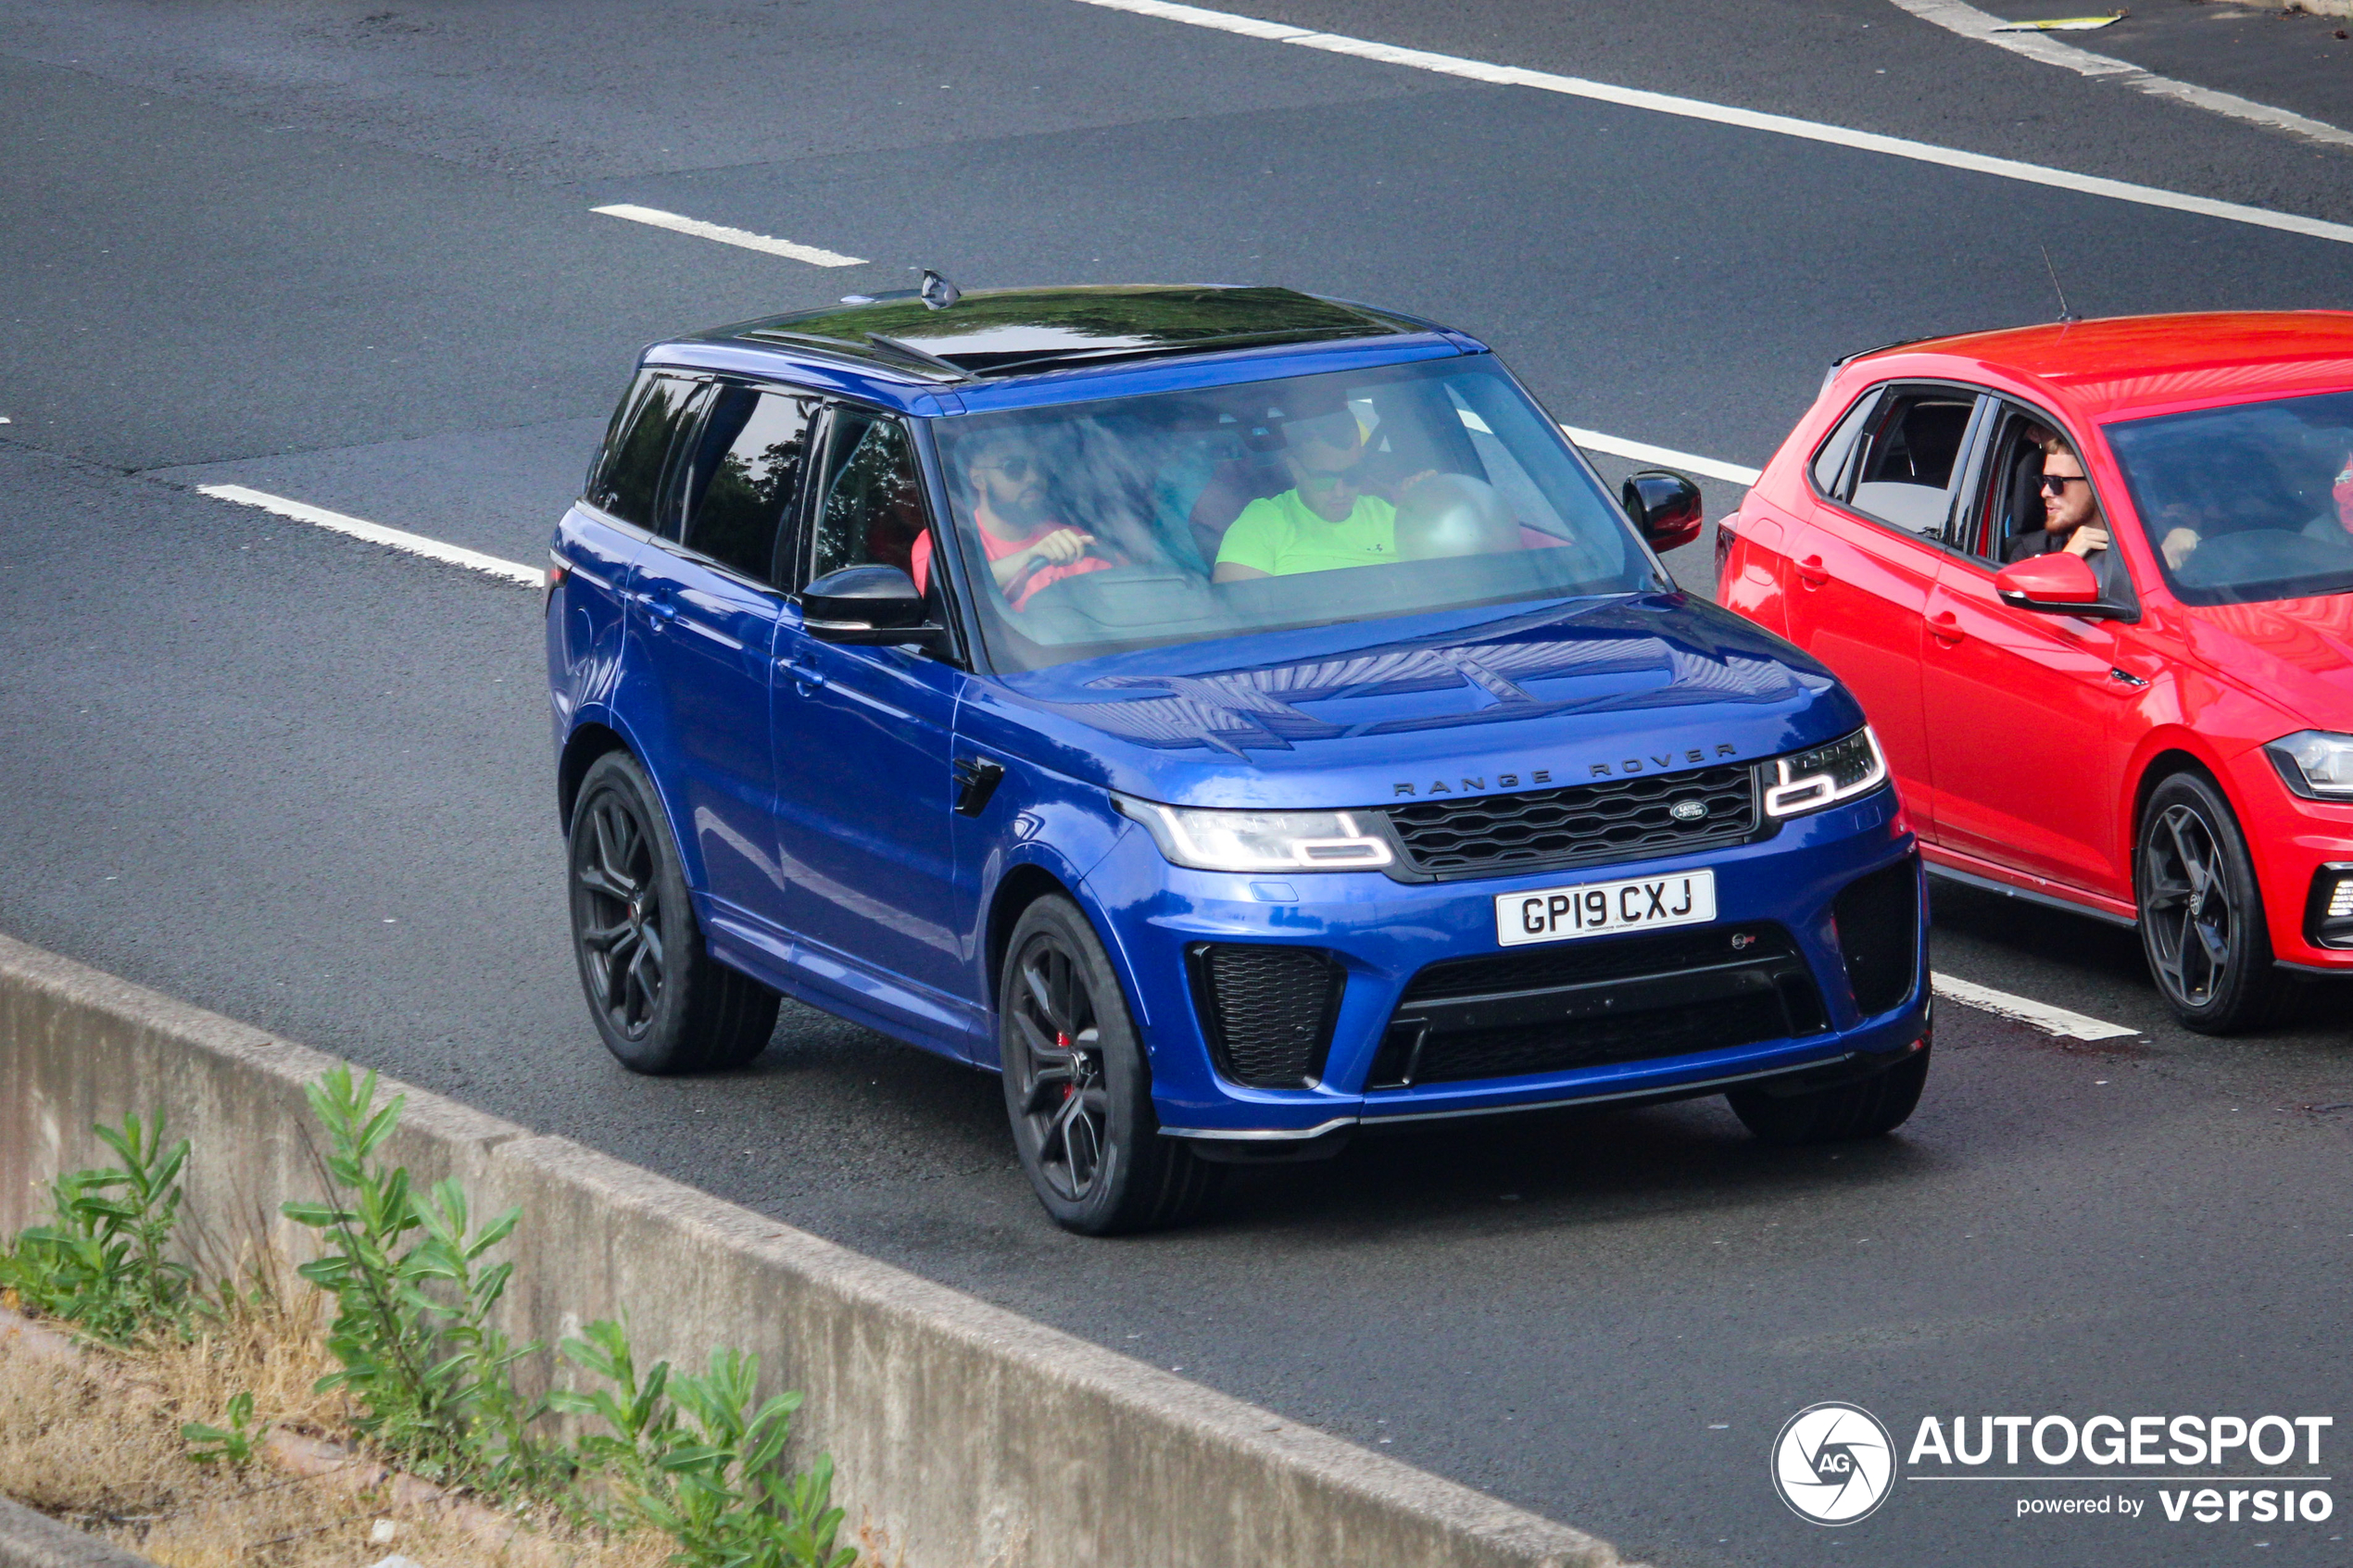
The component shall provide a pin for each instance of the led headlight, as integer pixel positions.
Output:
(1262, 841)
(2315, 764)
(1845, 768)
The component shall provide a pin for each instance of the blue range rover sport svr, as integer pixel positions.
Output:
(1236, 716)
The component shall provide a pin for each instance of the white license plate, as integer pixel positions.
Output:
(1596, 909)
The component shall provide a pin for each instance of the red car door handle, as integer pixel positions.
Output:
(1946, 628)
(1812, 573)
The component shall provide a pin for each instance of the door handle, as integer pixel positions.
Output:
(1947, 628)
(659, 607)
(806, 678)
(1812, 573)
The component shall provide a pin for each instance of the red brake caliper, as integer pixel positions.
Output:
(1062, 1042)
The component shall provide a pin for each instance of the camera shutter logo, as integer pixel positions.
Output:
(1833, 1464)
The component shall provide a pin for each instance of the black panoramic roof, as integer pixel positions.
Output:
(1011, 332)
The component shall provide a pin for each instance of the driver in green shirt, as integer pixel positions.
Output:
(1326, 520)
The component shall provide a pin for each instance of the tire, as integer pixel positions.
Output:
(1077, 1089)
(661, 1003)
(1870, 1109)
(2201, 911)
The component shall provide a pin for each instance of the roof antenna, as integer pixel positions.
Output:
(2064, 315)
(938, 294)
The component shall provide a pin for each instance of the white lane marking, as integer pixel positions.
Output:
(376, 533)
(1644, 452)
(2041, 1015)
(1746, 120)
(1953, 16)
(726, 236)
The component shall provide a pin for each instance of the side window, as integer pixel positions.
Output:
(1905, 476)
(2006, 523)
(630, 477)
(1829, 462)
(2010, 503)
(743, 477)
(869, 509)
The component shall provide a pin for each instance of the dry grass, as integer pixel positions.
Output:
(94, 1437)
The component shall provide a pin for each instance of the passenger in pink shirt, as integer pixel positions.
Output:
(1028, 546)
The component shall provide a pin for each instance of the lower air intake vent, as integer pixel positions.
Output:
(1267, 1011)
(1595, 1004)
(1879, 932)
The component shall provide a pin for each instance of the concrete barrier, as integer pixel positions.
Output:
(33, 1541)
(962, 1434)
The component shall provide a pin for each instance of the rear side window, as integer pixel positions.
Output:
(743, 477)
(1904, 477)
(630, 476)
(1830, 463)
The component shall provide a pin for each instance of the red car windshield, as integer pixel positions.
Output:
(2246, 503)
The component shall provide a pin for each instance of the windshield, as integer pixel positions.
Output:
(1352, 496)
(2246, 503)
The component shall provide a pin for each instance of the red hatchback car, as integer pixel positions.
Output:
(2158, 733)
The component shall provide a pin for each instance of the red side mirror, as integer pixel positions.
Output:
(2056, 581)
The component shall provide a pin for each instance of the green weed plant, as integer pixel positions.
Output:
(697, 1457)
(101, 1262)
(702, 1458)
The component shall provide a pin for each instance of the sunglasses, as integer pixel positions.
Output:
(2056, 483)
(1016, 469)
(1319, 482)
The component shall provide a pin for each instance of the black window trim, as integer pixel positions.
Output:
(1970, 437)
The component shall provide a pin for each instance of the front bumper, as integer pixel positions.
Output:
(1382, 934)
(2301, 847)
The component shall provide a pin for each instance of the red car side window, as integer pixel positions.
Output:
(1831, 458)
(1909, 460)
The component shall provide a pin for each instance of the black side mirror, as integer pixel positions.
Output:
(1664, 507)
(870, 605)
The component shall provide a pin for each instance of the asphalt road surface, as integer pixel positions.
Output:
(344, 254)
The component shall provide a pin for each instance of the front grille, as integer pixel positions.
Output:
(1623, 820)
(1879, 930)
(1592, 1004)
(1267, 1011)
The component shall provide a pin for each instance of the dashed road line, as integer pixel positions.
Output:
(376, 534)
(1644, 452)
(1953, 16)
(1723, 114)
(2025, 1010)
(658, 219)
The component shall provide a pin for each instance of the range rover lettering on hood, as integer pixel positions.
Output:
(1232, 711)
(1543, 778)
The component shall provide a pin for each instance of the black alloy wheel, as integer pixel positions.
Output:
(2201, 911)
(1077, 1088)
(1064, 1097)
(659, 1001)
(620, 909)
